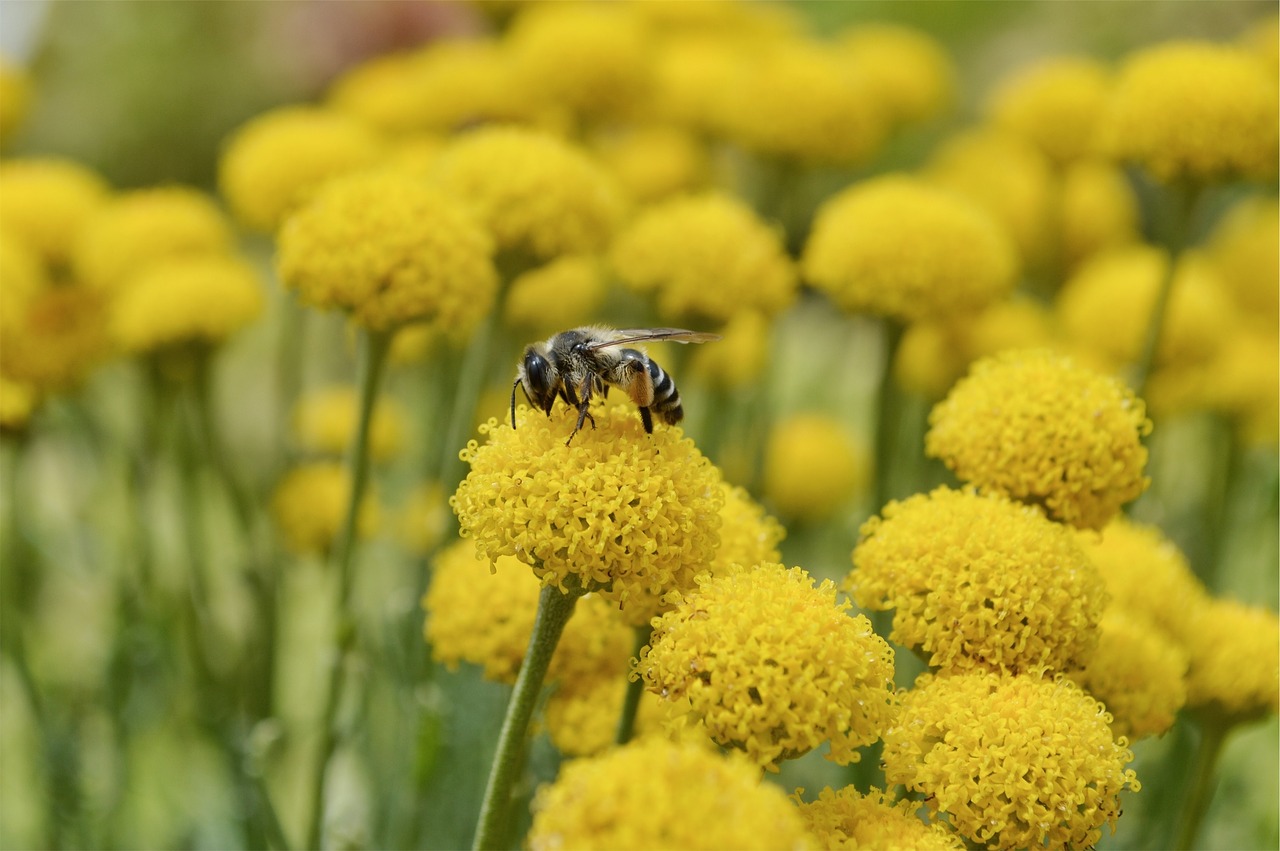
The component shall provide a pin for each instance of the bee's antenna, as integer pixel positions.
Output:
(514, 385)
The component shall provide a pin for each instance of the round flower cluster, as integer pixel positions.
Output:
(1034, 426)
(45, 201)
(1056, 104)
(391, 251)
(1013, 762)
(812, 467)
(654, 162)
(324, 423)
(772, 665)
(979, 582)
(309, 505)
(564, 293)
(619, 510)
(905, 70)
(847, 820)
(1235, 661)
(901, 248)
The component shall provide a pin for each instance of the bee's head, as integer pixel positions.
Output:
(539, 379)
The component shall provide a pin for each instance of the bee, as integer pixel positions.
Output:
(575, 365)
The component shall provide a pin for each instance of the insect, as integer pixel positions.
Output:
(575, 365)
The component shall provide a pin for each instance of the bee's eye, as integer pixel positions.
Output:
(537, 372)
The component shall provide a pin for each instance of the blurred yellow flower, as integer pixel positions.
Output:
(705, 257)
(1245, 250)
(56, 339)
(45, 202)
(1235, 661)
(691, 72)
(847, 820)
(390, 250)
(813, 467)
(310, 502)
(739, 358)
(1139, 672)
(906, 70)
(275, 162)
(772, 665)
(137, 229)
(621, 511)
(1244, 383)
(185, 300)
(1056, 104)
(655, 794)
(18, 401)
(583, 720)
(15, 97)
(424, 519)
(979, 582)
(748, 535)
(324, 423)
(537, 194)
(564, 293)
(1097, 210)
(1013, 762)
(1032, 425)
(22, 276)
(898, 247)
(654, 162)
(1195, 111)
(1263, 38)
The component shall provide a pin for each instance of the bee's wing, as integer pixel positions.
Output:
(651, 335)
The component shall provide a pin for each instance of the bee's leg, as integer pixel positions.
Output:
(647, 419)
(513, 402)
(584, 412)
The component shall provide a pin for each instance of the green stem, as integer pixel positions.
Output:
(470, 380)
(1196, 804)
(1184, 202)
(554, 610)
(886, 414)
(635, 690)
(374, 346)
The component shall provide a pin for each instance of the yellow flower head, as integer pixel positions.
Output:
(1245, 251)
(1054, 104)
(691, 73)
(15, 97)
(1244, 383)
(185, 300)
(739, 358)
(748, 535)
(309, 505)
(898, 247)
(424, 519)
(655, 794)
(847, 820)
(583, 720)
(391, 251)
(621, 511)
(537, 194)
(813, 467)
(1196, 111)
(1139, 672)
(800, 100)
(1014, 762)
(906, 70)
(979, 582)
(483, 614)
(45, 201)
(654, 162)
(146, 226)
(56, 339)
(705, 257)
(324, 423)
(1097, 210)
(1105, 307)
(1005, 176)
(18, 401)
(1034, 426)
(563, 293)
(22, 277)
(595, 59)
(1235, 661)
(275, 162)
(772, 665)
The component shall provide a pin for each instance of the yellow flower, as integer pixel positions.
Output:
(772, 665)
(185, 300)
(390, 250)
(1138, 671)
(1244, 382)
(898, 247)
(1014, 762)
(144, 227)
(1235, 663)
(705, 257)
(621, 511)
(1245, 251)
(18, 401)
(979, 582)
(748, 535)
(691, 73)
(45, 201)
(906, 70)
(583, 720)
(483, 614)
(847, 820)
(813, 467)
(310, 502)
(1034, 426)
(1005, 176)
(1055, 104)
(22, 277)
(563, 293)
(275, 162)
(424, 519)
(1196, 111)
(324, 422)
(656, 794)
(15, 97)
(1097, 210)
(654, 162)
(1263, 38)
(57, 338)
(1105, 307)
(737, 360)
(536, 193)
(801, 101)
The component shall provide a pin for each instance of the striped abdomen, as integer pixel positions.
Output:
(666, 398)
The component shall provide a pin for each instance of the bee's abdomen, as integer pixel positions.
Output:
(666, 398)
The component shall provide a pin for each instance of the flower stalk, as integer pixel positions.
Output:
(635, 690)
(1196, 803)
(1182, 212)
